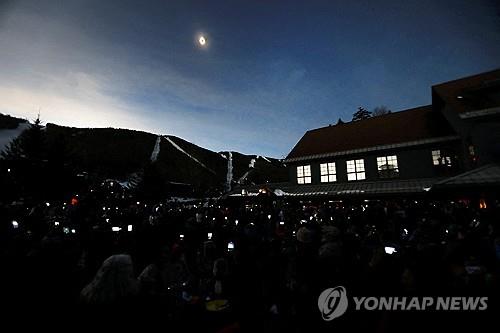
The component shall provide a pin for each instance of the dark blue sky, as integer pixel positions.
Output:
(271, 69)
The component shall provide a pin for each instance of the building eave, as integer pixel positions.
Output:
(358, 188)
(480, 113)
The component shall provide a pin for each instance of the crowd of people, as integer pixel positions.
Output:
(245, 264)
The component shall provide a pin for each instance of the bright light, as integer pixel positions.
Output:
(482, 204)
(390, 250)
(282, 223)
(236, 222)
(202, 40)
(73, 231)
(8, 170)
(15, 224)
(269, 216)
(181, 236)
(116, 229)
(47, 204)
(230, 246)
(56, 223)
(209, 235)
(129, 227)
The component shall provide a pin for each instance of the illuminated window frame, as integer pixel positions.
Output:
(328, 172)
(383, 166)
(438, 158)
(304, 174)
(356, 169)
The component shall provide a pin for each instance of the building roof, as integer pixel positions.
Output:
(483, 176)
(365, 188)
(411, 125)
(468, 94)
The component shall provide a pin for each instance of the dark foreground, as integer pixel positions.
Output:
(174, 264)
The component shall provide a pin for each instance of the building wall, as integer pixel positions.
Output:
(482, 133)
(413, 163)
(485, 136)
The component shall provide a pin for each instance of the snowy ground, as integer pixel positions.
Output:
(229, 177)
(156, 149)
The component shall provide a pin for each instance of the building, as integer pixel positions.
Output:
(410, 151)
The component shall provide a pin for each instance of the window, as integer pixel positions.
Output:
(328, 172)
(387, 166)
(304, 174)
(356, 170)
(439, 158)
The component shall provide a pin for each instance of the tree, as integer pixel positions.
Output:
(29, 145)
(380, 111)
(361, 114)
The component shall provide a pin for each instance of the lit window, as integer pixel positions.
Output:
(356, 170)
(304, 174)
(438, 158)
(328, 172)
(387, 166)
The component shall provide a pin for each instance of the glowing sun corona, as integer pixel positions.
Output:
(202, 40)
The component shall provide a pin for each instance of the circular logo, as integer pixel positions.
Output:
(332, 303)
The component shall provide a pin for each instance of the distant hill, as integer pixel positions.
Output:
(127, 155)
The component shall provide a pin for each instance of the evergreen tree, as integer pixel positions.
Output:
(361, 114)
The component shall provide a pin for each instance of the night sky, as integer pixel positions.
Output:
(270, 69)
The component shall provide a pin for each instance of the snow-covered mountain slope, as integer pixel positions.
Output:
(119, 153)
(10, 128)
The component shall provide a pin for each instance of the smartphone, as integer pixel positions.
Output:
(181, 237)
(129, 227)
(230, 246)
(209, 235)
